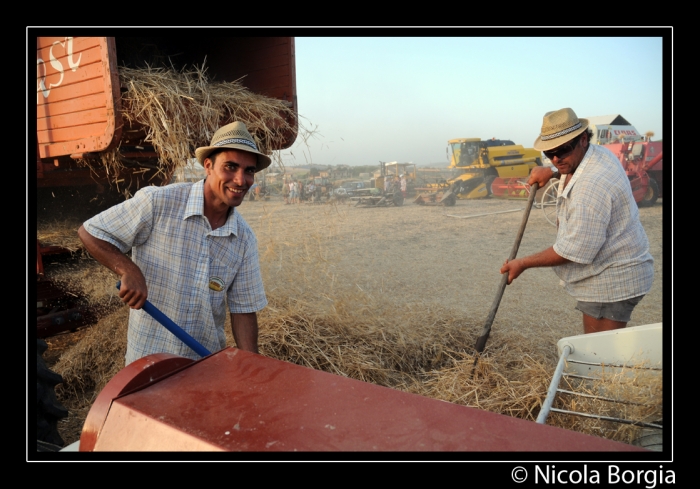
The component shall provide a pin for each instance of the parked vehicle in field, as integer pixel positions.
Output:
(324, 189)
(352, 186)
(393, 169)
(641, 157)
(483, 168)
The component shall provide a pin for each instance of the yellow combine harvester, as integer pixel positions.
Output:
(491, 167)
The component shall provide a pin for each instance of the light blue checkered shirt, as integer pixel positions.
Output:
(179, 255)
(600, 232)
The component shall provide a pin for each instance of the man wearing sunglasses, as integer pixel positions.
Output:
(601, 253)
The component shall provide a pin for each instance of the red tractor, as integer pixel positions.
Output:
(643, 162)
(640, 157)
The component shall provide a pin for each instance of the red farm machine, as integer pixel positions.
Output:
(643, 163)
(233, 400)
(641, 157)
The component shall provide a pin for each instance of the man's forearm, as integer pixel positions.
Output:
(133, 290)
(245, 331)
(106, 253)
(545, 258)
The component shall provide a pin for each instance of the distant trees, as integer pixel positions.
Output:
(356, 170)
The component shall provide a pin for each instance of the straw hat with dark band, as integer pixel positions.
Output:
(559, 127)
(233, 136)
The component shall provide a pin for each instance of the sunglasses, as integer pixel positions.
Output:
(562, 151)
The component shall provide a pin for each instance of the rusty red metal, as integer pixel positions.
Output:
(132, 377)
(234, 400)
(78, 98)
(42, 250)
(641, 160)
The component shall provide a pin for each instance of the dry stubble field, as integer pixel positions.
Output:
(395, 296)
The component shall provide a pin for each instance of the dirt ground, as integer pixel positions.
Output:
(450, 256)
(442, 257)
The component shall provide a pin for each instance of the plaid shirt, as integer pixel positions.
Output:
(600, 232)
(184, 263)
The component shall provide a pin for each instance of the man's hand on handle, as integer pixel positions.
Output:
(513, 268)
(541, 175)
(133, 290)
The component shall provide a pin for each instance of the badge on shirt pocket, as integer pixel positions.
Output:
(216, 283)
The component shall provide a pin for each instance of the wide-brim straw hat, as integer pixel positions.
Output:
(234, 136)
(558, 127)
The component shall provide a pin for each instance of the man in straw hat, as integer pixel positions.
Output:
(601, 253)
(191, 252)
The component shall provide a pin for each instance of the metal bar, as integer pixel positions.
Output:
(602, 398)
(584, 377)
(609, 418)
(617, 365)
(552, 392)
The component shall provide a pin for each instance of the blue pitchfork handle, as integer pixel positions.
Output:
(158, 315)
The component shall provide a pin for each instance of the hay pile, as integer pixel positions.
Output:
(63, 233)
(624, 394)
(178, 111)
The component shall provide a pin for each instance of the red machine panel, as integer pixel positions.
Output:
(238, 401)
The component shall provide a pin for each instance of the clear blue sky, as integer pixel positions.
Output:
(402, 98)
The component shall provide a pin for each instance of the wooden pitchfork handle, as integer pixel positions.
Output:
(481, 341)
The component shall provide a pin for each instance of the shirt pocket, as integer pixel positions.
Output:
(224, 263)
(221, 276)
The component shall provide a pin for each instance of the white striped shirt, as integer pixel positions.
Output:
(600, 232)
(180, 256)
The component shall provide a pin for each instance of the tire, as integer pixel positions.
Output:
(48, 409)
(398, 199)
(651, 195)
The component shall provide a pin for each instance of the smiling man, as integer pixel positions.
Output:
(601, 253)
(193, 256)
